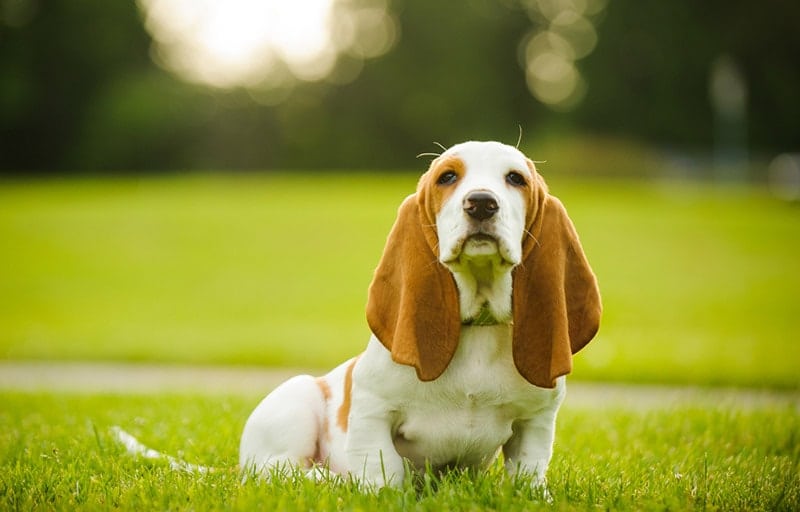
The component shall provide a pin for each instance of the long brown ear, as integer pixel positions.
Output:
(413, 304)
(555, 295)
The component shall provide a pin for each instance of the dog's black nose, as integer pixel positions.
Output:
(481, 205)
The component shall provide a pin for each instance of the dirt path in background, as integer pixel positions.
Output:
(113, 377)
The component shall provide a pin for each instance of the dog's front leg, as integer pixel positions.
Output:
(371, 455)
(531, 446)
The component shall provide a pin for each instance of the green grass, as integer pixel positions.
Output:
(57, 454)
(699, 282)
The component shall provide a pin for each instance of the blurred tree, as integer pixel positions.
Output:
(454, 76)
(79, 91)
(649, 76)
(55, 64)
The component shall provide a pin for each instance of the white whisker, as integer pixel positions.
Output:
(435, 155)
(536, 240)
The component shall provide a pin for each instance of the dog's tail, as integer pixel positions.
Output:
(137, 449)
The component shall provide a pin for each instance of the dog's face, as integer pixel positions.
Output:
(484, 189)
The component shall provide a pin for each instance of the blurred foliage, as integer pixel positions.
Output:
(79, 91)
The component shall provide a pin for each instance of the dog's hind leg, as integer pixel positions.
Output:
(283, 432)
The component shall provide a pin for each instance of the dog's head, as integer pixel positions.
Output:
(482, 236)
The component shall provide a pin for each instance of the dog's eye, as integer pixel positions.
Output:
(516, 179)
(447, 178)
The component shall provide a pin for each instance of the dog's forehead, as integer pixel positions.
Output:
(488, 157)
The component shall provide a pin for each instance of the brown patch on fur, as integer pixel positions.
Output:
(413, 302)
(324, 387)
(343, 416)
(412, 295)
(326, 394)
(437, 194)
(556, 298)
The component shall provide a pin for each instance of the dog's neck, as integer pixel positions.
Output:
(484, 289)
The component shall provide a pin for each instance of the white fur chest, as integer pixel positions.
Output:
(463, 417)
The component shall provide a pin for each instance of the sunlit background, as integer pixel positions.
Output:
(699, 90)
(266, 45)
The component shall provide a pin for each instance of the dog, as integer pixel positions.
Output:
(481, 297)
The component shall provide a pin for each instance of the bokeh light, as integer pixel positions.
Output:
(267, 45)
(784, 176)
(17, 13)
(565, 33)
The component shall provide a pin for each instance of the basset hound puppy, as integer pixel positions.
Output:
(482, 295)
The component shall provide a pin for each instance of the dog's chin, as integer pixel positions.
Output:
(481, 246)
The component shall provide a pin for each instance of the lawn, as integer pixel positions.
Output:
(700, 283)
(58, 454)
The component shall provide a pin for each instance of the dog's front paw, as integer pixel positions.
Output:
(374, 471)
(533, 479)
(321, 474)
(541, 491)
(376, 483)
